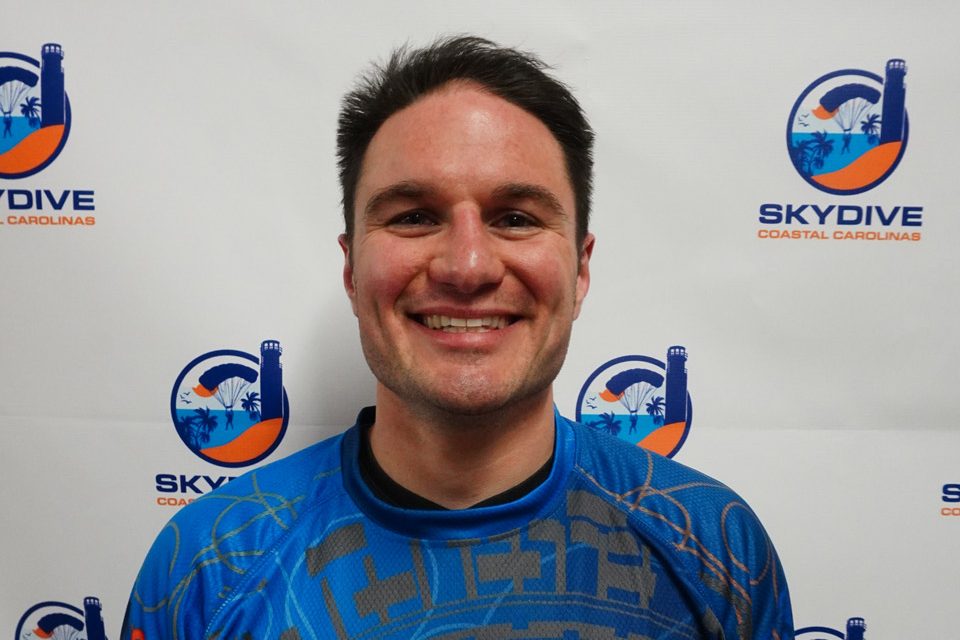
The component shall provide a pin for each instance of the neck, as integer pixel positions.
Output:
(457, 460)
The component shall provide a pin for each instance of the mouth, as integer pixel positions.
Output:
(450, 324)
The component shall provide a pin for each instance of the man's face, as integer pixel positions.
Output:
(464, 271)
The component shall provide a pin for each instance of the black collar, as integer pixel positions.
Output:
(388, 490)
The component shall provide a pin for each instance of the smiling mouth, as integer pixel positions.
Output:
(450, 324)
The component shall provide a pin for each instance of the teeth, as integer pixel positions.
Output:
(461, 325)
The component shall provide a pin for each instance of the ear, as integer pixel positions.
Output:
(349, 284)
(583, 273)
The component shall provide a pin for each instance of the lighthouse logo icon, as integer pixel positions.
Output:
(641, 400)
(848, 130)
(229, 407)
(34, 111)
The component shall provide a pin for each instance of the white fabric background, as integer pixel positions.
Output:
(823, 374)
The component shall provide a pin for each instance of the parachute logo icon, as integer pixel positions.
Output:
(848, 130)
(62, 621)
(641, 400)
(34, 111)
(226, 382)
(229, 407)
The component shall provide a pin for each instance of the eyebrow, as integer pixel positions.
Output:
(525, 191)
(406, 189)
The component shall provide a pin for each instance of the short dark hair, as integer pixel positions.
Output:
(517, 77)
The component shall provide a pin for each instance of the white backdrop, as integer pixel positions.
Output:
(822, 373)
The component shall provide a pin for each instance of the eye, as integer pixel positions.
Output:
(415, 218)
(515, 220)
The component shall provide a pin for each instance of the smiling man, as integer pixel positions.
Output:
(463, 505)
(466, 273)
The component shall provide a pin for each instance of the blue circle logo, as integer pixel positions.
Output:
(848, 130)
(641, 400)
(62, 621)
(229, 407)
(34, 111)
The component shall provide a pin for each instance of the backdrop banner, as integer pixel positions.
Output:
(774, 285)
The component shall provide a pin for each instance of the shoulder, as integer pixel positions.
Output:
(212, 546)
(705, 531)
(625, 472)
(668, 500)
(285, 487)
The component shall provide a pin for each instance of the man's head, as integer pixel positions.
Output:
(515, 76)
(466, 262)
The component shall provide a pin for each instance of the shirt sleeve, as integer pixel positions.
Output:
(745, 581)
(166, 581)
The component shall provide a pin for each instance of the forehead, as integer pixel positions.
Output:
(463, 139)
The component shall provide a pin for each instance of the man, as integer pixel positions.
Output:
(463, 506)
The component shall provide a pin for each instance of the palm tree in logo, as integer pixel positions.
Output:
(802, 153)
(822, 146)
(186, 427)
(608, 422)
(871, 127)
(655, 410)
(31, 111)
(251, 404)
(205, 423)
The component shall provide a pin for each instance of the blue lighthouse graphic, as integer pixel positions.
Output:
(894, 96)
(52, 96)
(271, 380)
(676, 392)
(93, 618)
(856, 629)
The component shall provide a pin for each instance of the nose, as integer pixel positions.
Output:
(467, 258)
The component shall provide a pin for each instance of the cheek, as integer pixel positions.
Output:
(382, 275)
(548, 274)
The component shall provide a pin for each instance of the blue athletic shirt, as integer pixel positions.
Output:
(617, 542)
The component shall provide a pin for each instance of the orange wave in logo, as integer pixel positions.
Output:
(865, 170)
(33, 150)
(664, 439)
(251, 444)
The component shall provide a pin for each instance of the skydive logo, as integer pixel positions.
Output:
(230, 408)
(846, 134)
(62, 620)
(641, 400)
(848, 130)
(35, 111)
(856, 630)
(35, 114)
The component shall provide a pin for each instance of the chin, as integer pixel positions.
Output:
(472, 399)
(462, 390)
(468, 406)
